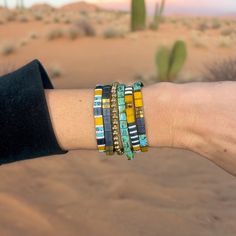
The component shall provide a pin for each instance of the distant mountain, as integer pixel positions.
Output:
(80, 6)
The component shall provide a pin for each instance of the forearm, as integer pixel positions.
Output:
(71, 112)
(189, 116)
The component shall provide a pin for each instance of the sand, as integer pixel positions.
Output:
(163, 192)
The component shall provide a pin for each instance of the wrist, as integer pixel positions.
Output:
(170, 115)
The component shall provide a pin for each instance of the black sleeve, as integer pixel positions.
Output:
(26, 130)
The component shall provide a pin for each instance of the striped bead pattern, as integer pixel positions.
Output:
(106, 111)
(130, 112)
(115, 120)
(140, 116)
(123, 122)
(98, 118)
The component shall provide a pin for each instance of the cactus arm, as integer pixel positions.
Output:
(138, 15)
(178, 57)
(162, 63)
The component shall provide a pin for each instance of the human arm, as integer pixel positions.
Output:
(198, 116)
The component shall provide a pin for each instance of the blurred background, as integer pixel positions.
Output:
(82, 43)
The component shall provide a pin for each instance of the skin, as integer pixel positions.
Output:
(198, 116)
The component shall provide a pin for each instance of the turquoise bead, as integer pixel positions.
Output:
(123, 122)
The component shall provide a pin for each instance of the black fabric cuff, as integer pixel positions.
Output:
(26, 130)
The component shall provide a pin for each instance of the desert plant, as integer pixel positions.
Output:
(158, 15)
(203, 26)
(33, 35)
(74, 33)
(86, 27)
(23, 42)
(54, 34)
(7, 48)
(169, 62)
(38, 16)
(223, 70)
(216, 24)
(55, 72)
(113, 33)
(228, 32)
(23, 18)
(138, 15)
(5, 4)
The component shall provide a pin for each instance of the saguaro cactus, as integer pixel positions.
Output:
(138, 15)
(170, 62)
(5, 4)
(158, 15)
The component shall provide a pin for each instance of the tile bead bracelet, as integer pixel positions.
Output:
(130, 113)
(106, 111)
(123, 122)
(119, 119)
(140, 116)
(98, 118)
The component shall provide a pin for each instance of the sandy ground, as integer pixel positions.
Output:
(164, 192)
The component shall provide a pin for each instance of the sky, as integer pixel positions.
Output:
(172, 6)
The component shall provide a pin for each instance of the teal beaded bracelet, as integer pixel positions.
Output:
(123, 122)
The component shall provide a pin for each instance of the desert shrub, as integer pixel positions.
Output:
(54, 34)
(203, 26)
(38, 16)
(7, 48)
(33, 35)
(221, 70)
(216, 24)
(86, 27)
(228, 32)
(23, 18)
(56, 19)
(55, 72)
(74, 33)
(113, 33)
(66, 21)
(225, 42)
(23, 42)
(10, 16)
(1, 22)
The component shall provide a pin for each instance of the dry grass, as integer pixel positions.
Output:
(55, 34)
(54, 71)
(112, 32)
(86, 27)
(224, 70)
(7, 49)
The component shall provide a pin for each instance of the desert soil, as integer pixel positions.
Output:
(164, 192)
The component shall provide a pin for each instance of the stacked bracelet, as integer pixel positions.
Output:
(115, 120)
(106, 110)
(130, 112)
(119, 119)
(123, 122)
(98, 118)
(140, 116)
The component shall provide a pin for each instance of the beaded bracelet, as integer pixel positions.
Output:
(140, 116)
(123, 122)
(130, 112)
(119, 119)
(115, 120)
(98, 118)
(106, 111)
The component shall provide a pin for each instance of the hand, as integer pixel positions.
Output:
(198, 116)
